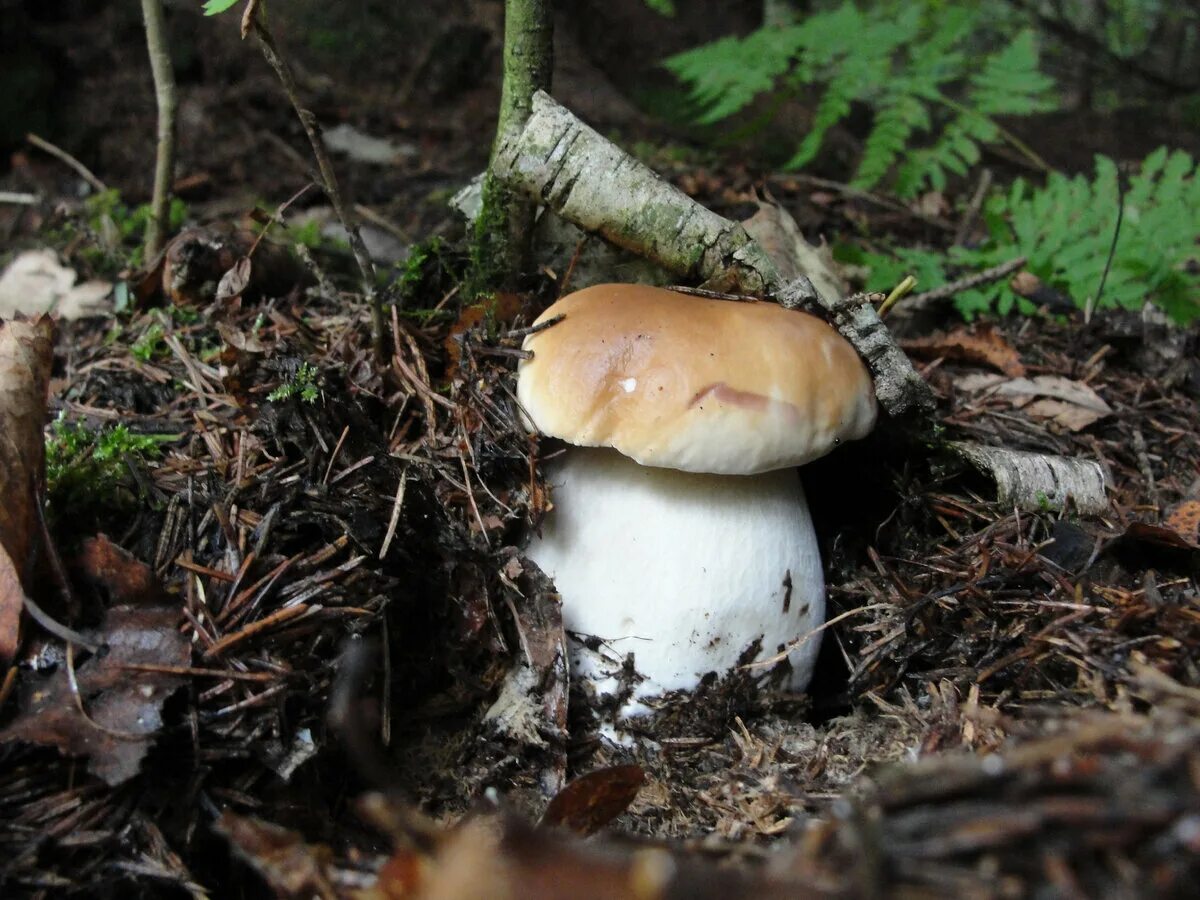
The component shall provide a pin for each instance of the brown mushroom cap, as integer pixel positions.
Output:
(691, 383)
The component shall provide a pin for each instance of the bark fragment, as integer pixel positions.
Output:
(1037, 482)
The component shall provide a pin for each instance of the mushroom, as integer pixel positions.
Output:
(679, 531)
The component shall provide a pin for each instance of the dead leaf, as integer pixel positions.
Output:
(502, 307)
(248, 15)
(502, 858)
(289, 865)
(593, 800)
(122, 702)
(1158, 536)
(1071, 404)
(776, 231)
(1026, 284)
(12, 601)
(235, 281)
(1184, 520)
(983, 344)
(36, 282)
(196, 261)
(1146, 546)
(128, 580)
(26, 356)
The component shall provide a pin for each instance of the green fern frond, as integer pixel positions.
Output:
(1010, 83)
(898, 117)
(726, 75)
(904, 60)
(1065, 229)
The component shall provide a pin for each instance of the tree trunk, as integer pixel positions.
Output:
(164, 92)
(505, 223)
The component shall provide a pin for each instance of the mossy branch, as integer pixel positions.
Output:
(504, 227)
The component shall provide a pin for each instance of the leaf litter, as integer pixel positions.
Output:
(1038, 667)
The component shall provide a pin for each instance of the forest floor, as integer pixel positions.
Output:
(303, 595)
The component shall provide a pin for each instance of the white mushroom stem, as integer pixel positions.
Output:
(685, 571)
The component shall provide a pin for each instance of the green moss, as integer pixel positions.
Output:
(494, 259)
(150, 343)
(88, 471)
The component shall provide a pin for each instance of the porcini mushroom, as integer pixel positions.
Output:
(679, 531)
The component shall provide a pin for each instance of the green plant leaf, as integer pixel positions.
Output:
(216, 7)
(934, 101)
(1065, 230)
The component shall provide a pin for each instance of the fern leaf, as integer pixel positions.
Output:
(897, 119)
(1010, 82)
(726, 75)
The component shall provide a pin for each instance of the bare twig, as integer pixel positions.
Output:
(19, 199)
(60, 154)
(946, 291)
(329, 183)
(972, 212)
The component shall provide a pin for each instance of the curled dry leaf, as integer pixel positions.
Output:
(1070, 404)
(26, 355)
(128, 580)
(198, 259)
(122, 690)
(982, 344)
(779, 235)
(235, 280)
(593, 800)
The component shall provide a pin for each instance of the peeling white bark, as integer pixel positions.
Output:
(1037, 482)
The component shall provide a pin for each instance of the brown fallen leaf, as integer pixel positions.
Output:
(26, 356)
(776, 231)
(503, 308)
(121, 695)
(1184, 519)
(12, 601)
(289, 865)
(593, 800)
(198, 259)
(503, 858)
(128, 580)
(235, 280)
(1158, 536)
(1070, 404)
(982, 344)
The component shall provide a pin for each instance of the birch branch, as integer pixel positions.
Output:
(1037, 482)
(595, 185)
